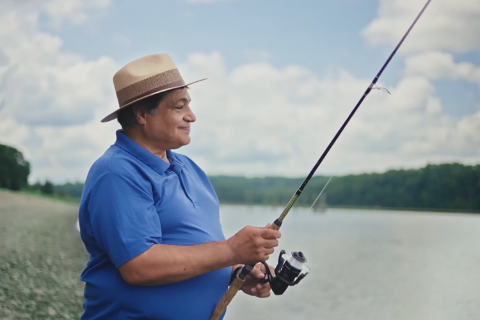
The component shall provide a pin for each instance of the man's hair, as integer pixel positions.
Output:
(126, 116)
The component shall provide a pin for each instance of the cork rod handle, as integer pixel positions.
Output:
(235, 286)
(227, 297)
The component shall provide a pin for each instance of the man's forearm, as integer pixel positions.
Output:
(163, 264)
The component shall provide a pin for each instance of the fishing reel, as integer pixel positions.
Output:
(290, 270)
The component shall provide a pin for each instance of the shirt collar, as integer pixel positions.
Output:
(146, 156)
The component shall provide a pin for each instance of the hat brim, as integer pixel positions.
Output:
(114, 115)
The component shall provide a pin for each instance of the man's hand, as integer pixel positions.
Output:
(251, 244)
(252, 285)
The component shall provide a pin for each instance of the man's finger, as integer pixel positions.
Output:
(270, 243)
(263, 292)
(257, 272)
(261, 267)
(264, 295)
(272, 270)
(263, 287)
(270, 234)
(269, 251)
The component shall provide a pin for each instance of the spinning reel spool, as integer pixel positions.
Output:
(290, 270)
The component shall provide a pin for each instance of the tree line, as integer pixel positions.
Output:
(450, 186)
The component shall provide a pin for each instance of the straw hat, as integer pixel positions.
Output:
(143, 78)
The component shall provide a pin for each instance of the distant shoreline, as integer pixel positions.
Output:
(76, 201)
(434, 210)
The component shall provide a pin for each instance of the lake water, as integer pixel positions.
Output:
(369, 265)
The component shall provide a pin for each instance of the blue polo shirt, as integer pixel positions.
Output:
(131, 200)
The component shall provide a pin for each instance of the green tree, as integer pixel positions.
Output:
(47, 187)
(14, 169)
(62, 193)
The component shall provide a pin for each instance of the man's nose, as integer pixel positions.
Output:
(190, 116)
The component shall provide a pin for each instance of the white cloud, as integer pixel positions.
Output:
(73, 11)
(256, 119)
(58, 11)
(446, 25)
(47, 95)
(41, 85)
(437, 65)
(446, 28)
(260, 120)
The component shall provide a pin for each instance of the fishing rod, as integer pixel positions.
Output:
(240, 276)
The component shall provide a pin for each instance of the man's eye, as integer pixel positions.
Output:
(179, 107)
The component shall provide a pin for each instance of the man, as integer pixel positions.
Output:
(149, 217)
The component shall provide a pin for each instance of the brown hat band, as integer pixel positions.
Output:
(157, 83)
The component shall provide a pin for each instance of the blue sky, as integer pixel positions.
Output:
(319, 35)
(294, 31)
(316, 34)
(287, 69)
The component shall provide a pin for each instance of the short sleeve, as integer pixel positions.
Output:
(123, 218)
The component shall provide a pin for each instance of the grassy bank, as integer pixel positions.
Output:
(54, 197)
(41, 258)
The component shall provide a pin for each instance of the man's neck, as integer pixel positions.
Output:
(140, 139)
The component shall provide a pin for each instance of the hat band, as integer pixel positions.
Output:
(159, 82)
(159, 89)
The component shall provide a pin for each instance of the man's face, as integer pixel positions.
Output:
(169, 128)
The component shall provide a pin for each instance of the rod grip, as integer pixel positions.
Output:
(227, 297)
(276, 225)
(237, 283)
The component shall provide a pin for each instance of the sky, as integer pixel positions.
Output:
(282, 78)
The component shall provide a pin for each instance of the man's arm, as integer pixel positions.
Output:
(163, 264)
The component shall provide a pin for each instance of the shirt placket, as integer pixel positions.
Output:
(177, 169)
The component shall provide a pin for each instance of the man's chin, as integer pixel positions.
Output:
(183, 142)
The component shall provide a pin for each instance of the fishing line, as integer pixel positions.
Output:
(321, 192)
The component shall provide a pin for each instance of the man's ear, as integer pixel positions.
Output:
(140, 116)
